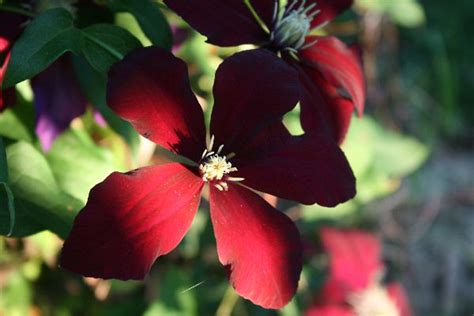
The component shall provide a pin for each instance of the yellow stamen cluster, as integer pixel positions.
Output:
(373, 301)
(214, 167)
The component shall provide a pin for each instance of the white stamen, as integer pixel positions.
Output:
(211, 143)
(292, 27)
(373, 301)
(220, 149)
(214, 167)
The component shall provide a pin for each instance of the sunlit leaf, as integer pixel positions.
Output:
(39, 202)
(149, 17)
(78, 164)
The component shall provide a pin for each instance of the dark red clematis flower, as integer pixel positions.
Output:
(330, 74)
(354, 284)
(131, 219)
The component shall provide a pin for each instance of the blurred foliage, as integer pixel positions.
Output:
(379, 159)
(408, 13)
(433, 59)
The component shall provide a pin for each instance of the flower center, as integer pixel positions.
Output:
(215, 167)
(373, 301)
(293, 25)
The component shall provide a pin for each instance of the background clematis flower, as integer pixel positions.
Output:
(133, 218)
(10, 29)
(330, 73)
(354, 284)
(58, 100)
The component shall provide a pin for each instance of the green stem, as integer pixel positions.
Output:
(228, 302)
(256, 16)
(108, 48)
(12, 9)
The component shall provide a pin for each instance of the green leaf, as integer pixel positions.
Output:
(149, 17)
(94, 86)
(45, 39)
(18, 122)
(53, 33)
(78, 164)
(39, 202)
(7, 210)
(106, 44)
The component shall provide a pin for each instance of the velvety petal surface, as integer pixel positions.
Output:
(3, 70)
(259, 244)
(399, 296)
(339, 65)
(332, 86)
(252, 90)
(309, 169)
(150, 89)
(354, 257)
(225, 23)
(58, 100)
(130, 220)
(329, 310)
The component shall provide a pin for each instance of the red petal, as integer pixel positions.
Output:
(261, 245)
(354, 257)
(399, 296)
(308, 170)
(130, 220)
(329, 10)
(332, 85)
(329, 310)
(339, 65)
(252, 90)
(3, 70)
(150, 88)
(225, 23)
(4, 43)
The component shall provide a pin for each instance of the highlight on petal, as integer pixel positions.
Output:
(225, 23)
(150, 89)
(3, 70)
(58, 100)
(354, 257)
(332, 85)
(130, 220)
(340, 66)
(399, 296)
(253, 89)
(308, 169)
(329, 9)
(260, 245)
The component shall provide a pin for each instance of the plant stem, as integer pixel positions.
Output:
(228, 302)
